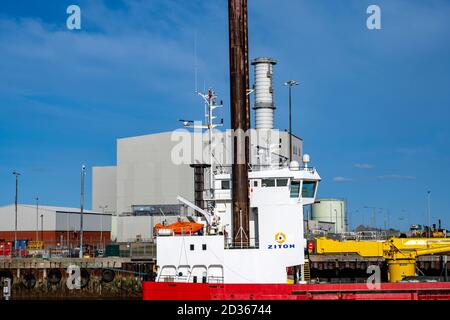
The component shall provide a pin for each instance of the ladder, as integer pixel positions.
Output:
(306, 272)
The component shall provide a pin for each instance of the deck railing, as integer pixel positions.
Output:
(262, 167)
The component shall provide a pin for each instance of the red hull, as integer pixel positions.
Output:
(205, 291)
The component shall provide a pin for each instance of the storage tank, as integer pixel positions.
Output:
(330, 210)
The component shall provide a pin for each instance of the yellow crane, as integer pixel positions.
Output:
(400, 253)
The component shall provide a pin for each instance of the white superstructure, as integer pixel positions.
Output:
(277, 197)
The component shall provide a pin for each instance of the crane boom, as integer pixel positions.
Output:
(400, 253)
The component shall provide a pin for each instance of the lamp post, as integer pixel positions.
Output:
(83, 173)
(386, 217)
(101, 223)
(352, 218)
(373, 215)
(37, 218)
(42, 227)
(290, 84)
(67, 230)
(17, 174)
(335, 220)
(401, 218)
(429, 213)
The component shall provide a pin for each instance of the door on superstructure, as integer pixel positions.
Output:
(183, 272)
(215, 273)
(254, 228)
(167, 274)
(198, 274)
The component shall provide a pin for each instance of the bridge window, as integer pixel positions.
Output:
(192, 247)
(308, 189)
(282, 182)
(226, 184)
(203, 246)
(295, 189)
(268, 182)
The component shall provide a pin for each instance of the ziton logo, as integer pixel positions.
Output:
(280, 237)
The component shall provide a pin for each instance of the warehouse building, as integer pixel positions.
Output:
(54, 225)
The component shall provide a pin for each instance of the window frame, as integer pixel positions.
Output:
(297, 183)
(268, 179)
(285, 185)
(222, 184)
(314, 183)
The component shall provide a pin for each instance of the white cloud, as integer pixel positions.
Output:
(363, 166)
(141, 50)
(411, 151)
(395, 177)
(342, 179)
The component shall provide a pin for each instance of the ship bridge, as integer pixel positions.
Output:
(269, 185)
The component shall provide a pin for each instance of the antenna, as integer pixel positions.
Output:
(210, 100)
(195, 62)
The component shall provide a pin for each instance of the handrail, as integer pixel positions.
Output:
(226, 169)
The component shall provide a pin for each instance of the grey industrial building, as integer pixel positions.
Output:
(142, 188)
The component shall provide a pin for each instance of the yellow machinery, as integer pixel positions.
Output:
(400, 253)
(35, 245)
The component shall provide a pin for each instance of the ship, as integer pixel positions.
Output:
(213, 266)
(253, 236)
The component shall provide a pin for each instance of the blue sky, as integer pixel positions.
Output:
(373, 107)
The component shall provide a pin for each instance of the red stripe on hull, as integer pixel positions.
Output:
(205, 291)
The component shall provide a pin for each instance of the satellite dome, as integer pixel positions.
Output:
(306, 158)
(294, 165)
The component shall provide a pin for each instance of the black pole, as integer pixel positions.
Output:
(37, 218)
(42, 227)
(290, 123)
(83, 168)
(290, 84)
(429, 215)
(15, 205)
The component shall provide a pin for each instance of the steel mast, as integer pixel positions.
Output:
(240, 118)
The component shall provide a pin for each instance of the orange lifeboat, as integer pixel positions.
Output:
(181, 227)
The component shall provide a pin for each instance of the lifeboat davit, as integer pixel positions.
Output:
(181, 227)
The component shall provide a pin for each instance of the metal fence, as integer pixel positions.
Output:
(138, 250)
(142, 249)
(57, 250)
